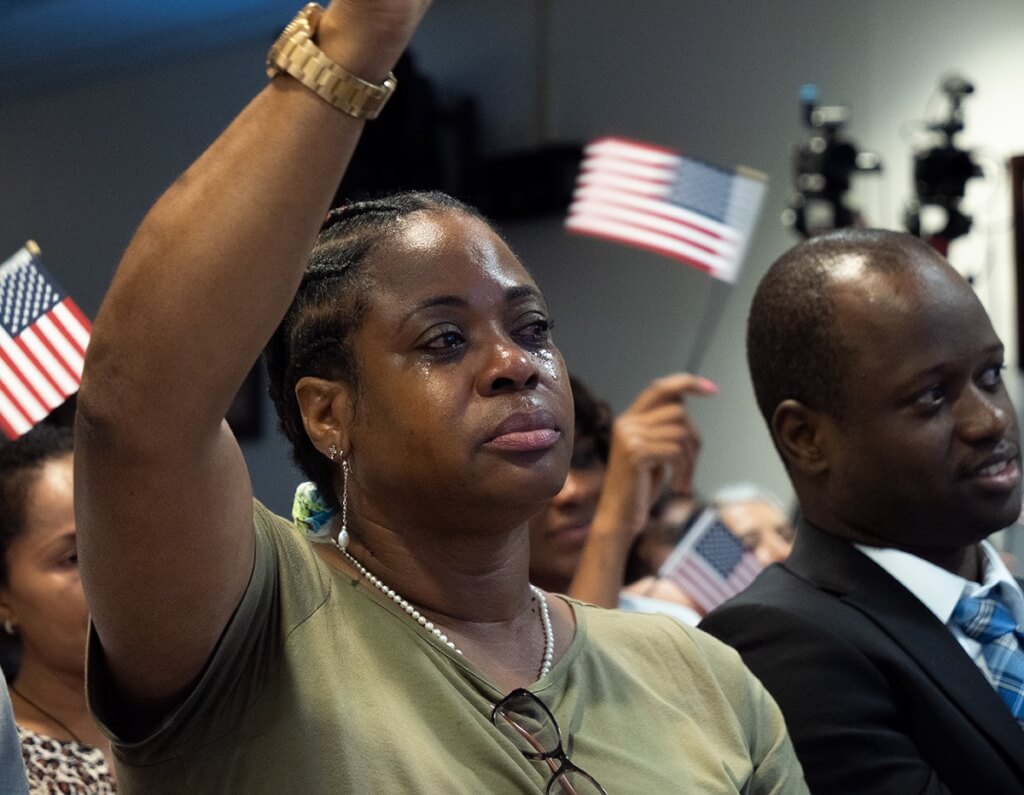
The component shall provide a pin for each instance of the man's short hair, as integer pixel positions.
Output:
(794, 348)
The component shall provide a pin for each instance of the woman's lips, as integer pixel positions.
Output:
(573, 536)
(522, 441)
(526, 432)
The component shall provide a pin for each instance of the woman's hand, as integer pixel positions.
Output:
(655, 434)
(366, 37)
(653, 439)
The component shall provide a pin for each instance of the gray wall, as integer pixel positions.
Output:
(718, 80)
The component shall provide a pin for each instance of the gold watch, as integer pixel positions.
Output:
(296, 54)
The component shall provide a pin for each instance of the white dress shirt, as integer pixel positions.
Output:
(939, 590)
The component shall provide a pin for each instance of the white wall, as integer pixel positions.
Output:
(910, 47)
(718, 80)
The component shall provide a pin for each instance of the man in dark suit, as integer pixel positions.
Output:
(879, 374)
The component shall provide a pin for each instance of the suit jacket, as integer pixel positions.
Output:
(878, 695)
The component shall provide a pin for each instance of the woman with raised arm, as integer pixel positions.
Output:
(417, 381)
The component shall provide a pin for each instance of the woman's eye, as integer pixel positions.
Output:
(536, 331)
(444, 339)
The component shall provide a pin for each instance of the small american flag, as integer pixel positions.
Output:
(710, 563)
(655, 199)
(43, 337)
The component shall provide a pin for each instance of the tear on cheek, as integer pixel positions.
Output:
(551, 362)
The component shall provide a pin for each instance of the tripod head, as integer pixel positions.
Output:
(823, 167)
(941, 172)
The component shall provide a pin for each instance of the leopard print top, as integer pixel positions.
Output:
(64, 767)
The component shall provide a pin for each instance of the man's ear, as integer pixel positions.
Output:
(801, 435)
(327, 411)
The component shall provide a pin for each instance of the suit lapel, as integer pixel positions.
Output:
(840, 568)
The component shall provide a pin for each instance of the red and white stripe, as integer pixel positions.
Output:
(706, 586)
(41, 367)
(622, 194)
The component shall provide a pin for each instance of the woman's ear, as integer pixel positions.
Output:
(801, 434)
(327, 410)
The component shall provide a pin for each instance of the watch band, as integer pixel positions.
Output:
(295, 53)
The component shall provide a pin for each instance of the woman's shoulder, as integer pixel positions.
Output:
(647, 636)
(303, 578)
(284, 537)
(269, 522)
(669, 655)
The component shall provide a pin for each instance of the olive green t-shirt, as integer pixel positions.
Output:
(319, 685)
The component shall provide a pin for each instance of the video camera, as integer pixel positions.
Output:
(823, 167)
(941, 172)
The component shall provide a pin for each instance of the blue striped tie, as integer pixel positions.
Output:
(990, 623)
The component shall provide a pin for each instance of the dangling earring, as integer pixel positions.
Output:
(343, 532)
(332, 452)
(9, 627)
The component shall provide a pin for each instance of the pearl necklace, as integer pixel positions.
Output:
(434, 631)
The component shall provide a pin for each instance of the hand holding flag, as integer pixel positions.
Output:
(710, 563)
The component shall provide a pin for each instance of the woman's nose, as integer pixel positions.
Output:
(509, 368)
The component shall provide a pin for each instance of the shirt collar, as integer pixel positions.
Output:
(939, 590)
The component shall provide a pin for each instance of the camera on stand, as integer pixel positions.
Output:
(823, 167)
(940, 176)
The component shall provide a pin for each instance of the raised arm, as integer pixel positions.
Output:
(163, 499)
(655, 433)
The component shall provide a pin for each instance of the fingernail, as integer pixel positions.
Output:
(709, 385)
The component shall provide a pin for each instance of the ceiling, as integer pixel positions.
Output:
(48, 44)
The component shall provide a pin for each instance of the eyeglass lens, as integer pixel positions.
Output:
(574, 782)
(528, 724)
(523, 719)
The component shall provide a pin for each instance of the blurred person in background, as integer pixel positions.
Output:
(758, 518)
(754, 515)
(44, 617)
(583, 541)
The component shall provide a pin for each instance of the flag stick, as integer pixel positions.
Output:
(714, 308)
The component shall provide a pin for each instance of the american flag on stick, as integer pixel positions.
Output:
(710, 563)
(43, 336)
(653, 198)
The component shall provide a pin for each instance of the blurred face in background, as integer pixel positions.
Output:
(558, 533)
(762, 527)
(43, 596)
